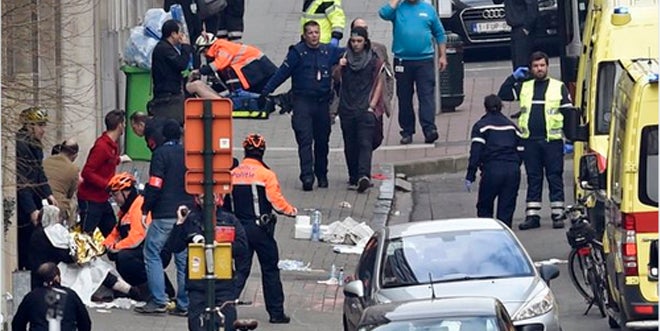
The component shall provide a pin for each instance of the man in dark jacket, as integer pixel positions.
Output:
(496, 149)
(521, 16)
(192, 226)
(31, 182)
(151, 128)
(169, 58)
(51, 301)
(163, 193)
(309, 64)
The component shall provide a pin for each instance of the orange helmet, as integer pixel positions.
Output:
(120, 182)
(254, 141)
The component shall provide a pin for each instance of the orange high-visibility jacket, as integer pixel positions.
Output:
(256, 191)
(136, 233)
(230, 54)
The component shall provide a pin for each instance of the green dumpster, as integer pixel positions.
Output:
(138, 93)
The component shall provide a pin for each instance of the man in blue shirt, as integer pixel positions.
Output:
(309, 64)
(415, 24)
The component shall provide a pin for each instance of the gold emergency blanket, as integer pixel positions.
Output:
(85, 247)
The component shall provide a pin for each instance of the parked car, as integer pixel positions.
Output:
(480, 23)
(455, 257)
(447, 314)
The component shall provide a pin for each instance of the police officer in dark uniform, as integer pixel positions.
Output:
(256, 195)
(496, 151)
(190, 226)
(543, 100)
(309, 64)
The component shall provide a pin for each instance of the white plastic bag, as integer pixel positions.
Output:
(153, 22)
(139, 48)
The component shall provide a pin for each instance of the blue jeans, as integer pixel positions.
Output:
(157, 235)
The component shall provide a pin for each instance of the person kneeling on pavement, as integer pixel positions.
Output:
(53, 243)
(125, 242)
(190, 228)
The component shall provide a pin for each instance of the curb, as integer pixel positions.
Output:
(450, 164)
(385, 198)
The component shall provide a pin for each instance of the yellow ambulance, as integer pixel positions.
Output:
(615, 30)
(631, 198)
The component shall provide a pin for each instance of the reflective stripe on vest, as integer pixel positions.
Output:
(554, 120)
(325, 26)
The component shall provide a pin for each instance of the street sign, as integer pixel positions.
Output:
(218, 148)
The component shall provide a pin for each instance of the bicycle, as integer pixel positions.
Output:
(239, 324)
(586, 262)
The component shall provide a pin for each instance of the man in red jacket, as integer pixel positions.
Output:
(94, 207)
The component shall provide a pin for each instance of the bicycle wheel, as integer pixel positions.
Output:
(597, 288)
(576, 268)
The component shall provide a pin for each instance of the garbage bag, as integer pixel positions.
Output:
(139, 48)
(153, 22)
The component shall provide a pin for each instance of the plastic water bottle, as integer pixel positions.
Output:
(316, 225)
(340, 281)
(333, 272)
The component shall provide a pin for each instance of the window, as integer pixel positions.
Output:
(367, 264)
(607, 78)
(648, 174)
(452, 256)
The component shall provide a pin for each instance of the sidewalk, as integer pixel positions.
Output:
(314, 306)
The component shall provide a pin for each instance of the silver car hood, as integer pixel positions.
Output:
(513, 292)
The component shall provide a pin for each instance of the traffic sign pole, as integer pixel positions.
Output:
(209, 210)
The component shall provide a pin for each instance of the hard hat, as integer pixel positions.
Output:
(120, 182)
(204, 40)
(254, 141)
(33, 115)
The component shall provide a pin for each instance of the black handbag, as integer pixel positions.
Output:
(208, 8)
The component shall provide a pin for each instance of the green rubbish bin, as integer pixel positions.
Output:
(451, 80)
(138, 93)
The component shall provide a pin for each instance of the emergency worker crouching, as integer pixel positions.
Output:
(255, 195)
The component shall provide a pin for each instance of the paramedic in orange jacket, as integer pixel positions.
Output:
(124, 243)
(255, 195)
(239, 65)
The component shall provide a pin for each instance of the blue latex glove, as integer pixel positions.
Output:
(568, 148)
(520, 72)
(334, 42)
(468, 186)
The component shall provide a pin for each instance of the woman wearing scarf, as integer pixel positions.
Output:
(360, 106)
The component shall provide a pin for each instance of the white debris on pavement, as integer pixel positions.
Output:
(351, 249)
(293, 265)
(345, 204)
(347, 231)
(119, 303)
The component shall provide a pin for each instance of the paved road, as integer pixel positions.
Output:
(443, 196)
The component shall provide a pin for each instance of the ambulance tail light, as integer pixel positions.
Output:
(629, 246)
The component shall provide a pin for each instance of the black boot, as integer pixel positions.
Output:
(531, 222)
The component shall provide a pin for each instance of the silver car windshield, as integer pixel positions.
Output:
(444, 324)
(453, 256)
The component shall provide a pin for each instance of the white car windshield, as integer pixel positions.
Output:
(453, 256)
(444, 324)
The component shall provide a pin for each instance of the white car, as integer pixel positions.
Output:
(459, 257)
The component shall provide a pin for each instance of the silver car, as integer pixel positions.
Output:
(459, 257)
